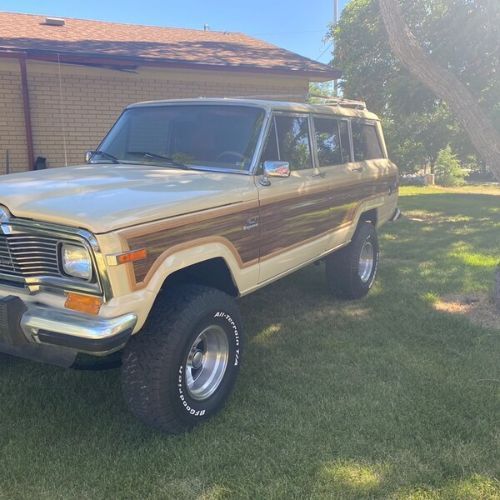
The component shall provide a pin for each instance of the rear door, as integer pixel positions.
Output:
(342, 178)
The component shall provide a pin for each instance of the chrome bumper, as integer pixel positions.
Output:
(25, 326)
(44, 324)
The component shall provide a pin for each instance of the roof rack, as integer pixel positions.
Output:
(339, 101)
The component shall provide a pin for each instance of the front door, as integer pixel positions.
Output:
(293, 210)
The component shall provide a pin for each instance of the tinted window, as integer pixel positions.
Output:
(365, 142)
(345, 144)
(328, 141)
(293, 141)
(270, 152)
(197, 135)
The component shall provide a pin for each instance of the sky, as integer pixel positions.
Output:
(299, 26)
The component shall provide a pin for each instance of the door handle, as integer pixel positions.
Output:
(357, 169)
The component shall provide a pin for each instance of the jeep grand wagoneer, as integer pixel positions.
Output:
(141, 253)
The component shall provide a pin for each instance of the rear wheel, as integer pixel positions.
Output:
(351, 271)
(181, 368)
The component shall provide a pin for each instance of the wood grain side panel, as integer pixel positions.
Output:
(283, 223)
(231, 227)
(290, 221)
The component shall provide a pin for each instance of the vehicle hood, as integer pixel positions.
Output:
(106, 197)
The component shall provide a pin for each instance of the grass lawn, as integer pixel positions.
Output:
(382, 398)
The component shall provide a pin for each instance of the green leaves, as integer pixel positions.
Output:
(462, 35)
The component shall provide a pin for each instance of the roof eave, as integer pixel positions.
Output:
(131, 62)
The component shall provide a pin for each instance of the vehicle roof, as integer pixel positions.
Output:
(269, 105)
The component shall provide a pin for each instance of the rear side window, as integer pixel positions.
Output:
(365, 141)
(288, 140)
(332, 140)
(328, 141)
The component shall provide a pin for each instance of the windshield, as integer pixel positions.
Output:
(220, 136)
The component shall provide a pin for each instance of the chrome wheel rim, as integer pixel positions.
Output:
(366, 262)
(207, 362)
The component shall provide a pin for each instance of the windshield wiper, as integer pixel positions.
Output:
(170, 161)
(109, 156)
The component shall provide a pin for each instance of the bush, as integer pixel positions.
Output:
(448, 170)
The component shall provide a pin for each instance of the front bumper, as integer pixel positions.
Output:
(57, 336)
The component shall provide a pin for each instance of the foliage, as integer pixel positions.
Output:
(463, 35)
(448, 170)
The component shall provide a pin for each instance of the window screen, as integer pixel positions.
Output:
(365, 141)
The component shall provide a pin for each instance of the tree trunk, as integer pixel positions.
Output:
(483, 135)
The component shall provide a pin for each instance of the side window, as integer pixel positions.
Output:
(345, 144)
(365, 141)
(270, 152)
(328, 141)
(293, 141)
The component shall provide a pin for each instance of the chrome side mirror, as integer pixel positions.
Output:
(274, 169)
(88, 156)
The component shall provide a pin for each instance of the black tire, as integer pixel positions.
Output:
(155, 361)
(344, 268)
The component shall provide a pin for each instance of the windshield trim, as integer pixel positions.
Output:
(258, 146)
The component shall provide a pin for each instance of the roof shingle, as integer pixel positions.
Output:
(30, 33)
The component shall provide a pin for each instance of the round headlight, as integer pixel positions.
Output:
(76, 261)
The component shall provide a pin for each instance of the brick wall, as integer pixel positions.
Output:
(78, 108)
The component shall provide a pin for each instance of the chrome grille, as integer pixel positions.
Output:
(28, 256)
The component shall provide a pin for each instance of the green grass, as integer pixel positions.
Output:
(381, 398)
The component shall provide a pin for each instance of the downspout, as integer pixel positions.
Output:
(27, 112)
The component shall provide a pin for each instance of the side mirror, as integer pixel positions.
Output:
(88, 156)
(274, 169)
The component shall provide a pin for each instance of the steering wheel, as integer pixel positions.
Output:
(234, 154)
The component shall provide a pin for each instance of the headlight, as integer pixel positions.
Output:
(76, 261)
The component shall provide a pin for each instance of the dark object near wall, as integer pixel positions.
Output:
(40, 163)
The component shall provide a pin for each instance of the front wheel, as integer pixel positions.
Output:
(181, 368)
(351, 271)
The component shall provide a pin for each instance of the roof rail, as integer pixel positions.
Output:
(270, 96)
(339, 101)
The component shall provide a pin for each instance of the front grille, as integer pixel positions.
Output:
(28, 256)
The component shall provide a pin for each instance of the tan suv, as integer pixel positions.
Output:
(139, 255)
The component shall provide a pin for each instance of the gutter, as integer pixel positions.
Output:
(28, 128)
(22, 57)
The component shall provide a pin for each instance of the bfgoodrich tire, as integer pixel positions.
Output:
(181, 368)
(351, 271)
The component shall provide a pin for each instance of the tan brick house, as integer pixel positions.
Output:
(64, 82)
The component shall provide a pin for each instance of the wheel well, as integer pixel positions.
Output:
(369, 216)
(214, 273)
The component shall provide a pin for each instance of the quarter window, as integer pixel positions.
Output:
(365, 141)
(289, 139)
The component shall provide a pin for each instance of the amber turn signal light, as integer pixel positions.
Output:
(123, 258)
(83, 303)
(140, 254)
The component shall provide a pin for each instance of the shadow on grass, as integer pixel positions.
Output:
(378, 398)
